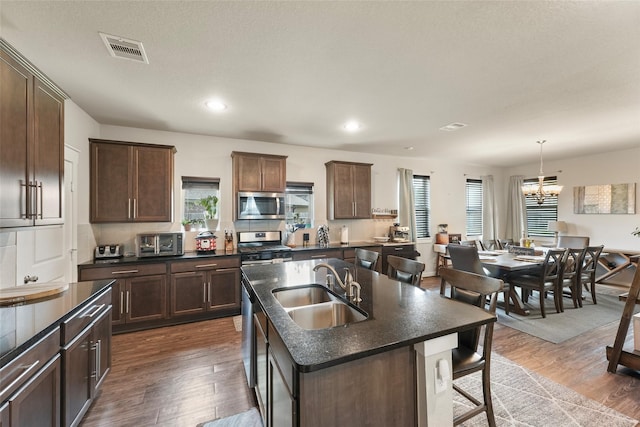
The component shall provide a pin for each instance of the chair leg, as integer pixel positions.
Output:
(593, 291)
(506, 300)
(542, 304)
(486, 391)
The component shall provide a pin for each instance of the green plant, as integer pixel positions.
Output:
(185, 222)
(636, 232)
(210, 205)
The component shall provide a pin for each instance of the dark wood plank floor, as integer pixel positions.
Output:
(184, 375)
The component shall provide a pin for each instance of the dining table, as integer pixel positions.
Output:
(501, 263)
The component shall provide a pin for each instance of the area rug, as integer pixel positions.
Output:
(559, 327)
(250, 418)
(523, 398)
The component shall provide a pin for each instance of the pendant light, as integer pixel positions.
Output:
(540, 191)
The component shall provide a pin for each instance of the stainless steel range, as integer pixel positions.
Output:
(262, 247)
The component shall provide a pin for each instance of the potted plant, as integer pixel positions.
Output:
(210, 205)
(186, 224)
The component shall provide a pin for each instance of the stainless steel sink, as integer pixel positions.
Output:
(303, 295)
(325, 315)
(316, 307)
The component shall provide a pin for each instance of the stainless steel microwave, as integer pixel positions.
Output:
(255, 205)
(159, 244)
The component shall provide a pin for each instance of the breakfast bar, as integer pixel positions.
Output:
(377, 368)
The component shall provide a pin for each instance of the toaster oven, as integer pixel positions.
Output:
(159, 244)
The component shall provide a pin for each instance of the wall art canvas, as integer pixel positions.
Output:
(605, 199)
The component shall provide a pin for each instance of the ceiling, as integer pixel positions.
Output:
(295, 72)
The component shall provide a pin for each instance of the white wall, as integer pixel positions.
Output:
(617, 167)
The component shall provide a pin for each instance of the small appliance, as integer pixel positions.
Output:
(262, 247)
(109, 251)
(159, 244)
(205, 242)
(257, 205)
(398, 233)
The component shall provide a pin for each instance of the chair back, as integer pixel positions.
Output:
(404, 269)
(474, 289)
(505, 243)
(553, 265)
(573, 241)
(465, 258)
(490, 245)
(572, 268)
(366, 259)
(591, 256)
(472, 243)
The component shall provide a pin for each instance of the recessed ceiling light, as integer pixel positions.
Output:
(352, 126)
(453, 126)
(216, 105)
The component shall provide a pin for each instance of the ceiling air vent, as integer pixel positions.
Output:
(119, 47)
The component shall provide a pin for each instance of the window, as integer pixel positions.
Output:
(194, 190)
(421, 194)
(474, 207)
(298, 204)
(538, 216)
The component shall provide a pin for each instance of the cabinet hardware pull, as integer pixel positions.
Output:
(204, 292)
(41, 201)
(26, 200)
(127, 303)
(319, 256)
(135, 209)
(129, 209)
(397, 249)
(121, 302)
(124, 272)
(209, 293)
(225, 269)
(206, 265)
(27, 369)
(97, 310)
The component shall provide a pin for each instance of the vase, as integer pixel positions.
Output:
(211, 224)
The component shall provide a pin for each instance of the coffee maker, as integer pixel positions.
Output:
(398, 233)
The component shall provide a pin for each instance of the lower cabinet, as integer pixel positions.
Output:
(401, 250)
(207, 285)
(30, 385)
(317, 254)
(282, 405)
(86, 357)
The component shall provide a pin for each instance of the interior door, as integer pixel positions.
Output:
(70, 213)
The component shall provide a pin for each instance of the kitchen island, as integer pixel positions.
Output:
(378, 371)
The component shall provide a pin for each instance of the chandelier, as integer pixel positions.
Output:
(540, 191)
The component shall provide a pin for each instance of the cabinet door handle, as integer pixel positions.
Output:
(319, 256)
(135, 209)
(27, 203)
(204, 292)
(129, 209)
(96, 359)
(39, 186)
(206, 265)
(225, 269)
(121, 302)
(24, 373)
(124, 272)
(127, 303)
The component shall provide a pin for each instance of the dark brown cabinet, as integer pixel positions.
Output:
(139, 294)
(86, 361)
(207, 285)
(402, 250)
(259, 172)
(30, 392)
(32, 146)
(131, 182)
(348, 190)
(317, 254)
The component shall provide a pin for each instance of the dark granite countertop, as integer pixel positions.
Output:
(23, 324)
(399, 314)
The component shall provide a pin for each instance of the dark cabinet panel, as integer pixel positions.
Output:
(188, 293)
(131, 182)
(348, 190)
(259, 172)
(37, 403)
(224, 289)
(146, 298)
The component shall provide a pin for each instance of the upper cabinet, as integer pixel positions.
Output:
(131, 182)
(31, 144)
(259, 172)
(348, 190)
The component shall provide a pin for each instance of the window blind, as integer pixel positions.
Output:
(538, 216)
(474, 207)
(422, 196)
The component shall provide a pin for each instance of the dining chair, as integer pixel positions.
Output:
(467, 358)
(542, 279)
(489, 245)
(505, 243)
(573, 241)
(588, 273)
(473, 243)
(466, 258)
(404, 269)
(571, 274)
(366, 258)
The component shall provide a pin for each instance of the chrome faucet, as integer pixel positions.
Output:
(348, 283)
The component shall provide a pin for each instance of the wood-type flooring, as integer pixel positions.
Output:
(187, 374)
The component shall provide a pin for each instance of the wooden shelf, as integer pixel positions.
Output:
(383, 216)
